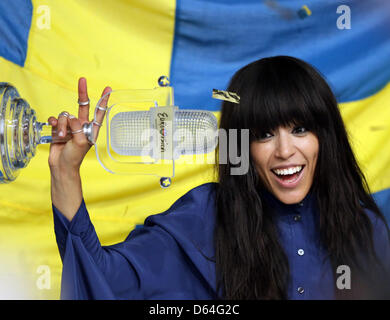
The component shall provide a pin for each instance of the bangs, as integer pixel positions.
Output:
(279, 95)
(284, 107)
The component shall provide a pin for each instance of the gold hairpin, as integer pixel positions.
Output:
(226, 95)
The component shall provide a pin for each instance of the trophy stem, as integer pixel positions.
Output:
(44, 133)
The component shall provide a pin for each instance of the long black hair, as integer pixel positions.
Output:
(250, 261)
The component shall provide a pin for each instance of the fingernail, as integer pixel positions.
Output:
(61, 133)
(71, 117)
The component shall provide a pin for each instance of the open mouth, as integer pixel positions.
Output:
(288, 176)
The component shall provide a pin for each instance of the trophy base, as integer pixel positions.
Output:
(17, 133)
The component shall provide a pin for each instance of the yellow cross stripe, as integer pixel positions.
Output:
(371, 147)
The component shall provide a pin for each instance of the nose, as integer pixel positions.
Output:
(285, 147)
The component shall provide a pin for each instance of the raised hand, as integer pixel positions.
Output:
(65, 158)
(69, 156)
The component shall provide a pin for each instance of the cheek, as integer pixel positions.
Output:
(260, 155)
(311, 150)
(315, 149)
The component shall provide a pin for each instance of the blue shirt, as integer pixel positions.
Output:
(172, 255)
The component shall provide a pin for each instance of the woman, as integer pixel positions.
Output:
(284, 230)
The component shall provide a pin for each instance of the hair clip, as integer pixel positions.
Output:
(226, 95)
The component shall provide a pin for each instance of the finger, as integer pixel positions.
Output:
(77, 131)
(52, 121)
(101, 111)
(62, 125)
(83, 98)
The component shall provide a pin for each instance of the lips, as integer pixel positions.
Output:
(289, 181)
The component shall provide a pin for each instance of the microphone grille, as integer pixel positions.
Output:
(195, 132)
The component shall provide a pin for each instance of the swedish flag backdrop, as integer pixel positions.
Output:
(45, 46)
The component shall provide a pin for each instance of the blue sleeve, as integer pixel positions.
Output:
(90, 271)
(382, 242)
(149, 264)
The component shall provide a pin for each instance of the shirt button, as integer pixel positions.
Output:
(300, 290)
(297, 218)
(301, 252)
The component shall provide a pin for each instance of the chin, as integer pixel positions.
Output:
(292, 198)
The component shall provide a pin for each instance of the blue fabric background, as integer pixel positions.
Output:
(15, 23)
(213, 39)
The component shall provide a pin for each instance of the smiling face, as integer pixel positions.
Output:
(286, 159)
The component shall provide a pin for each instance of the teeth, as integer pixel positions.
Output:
(283, 172)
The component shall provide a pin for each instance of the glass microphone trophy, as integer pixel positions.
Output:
(144, 133)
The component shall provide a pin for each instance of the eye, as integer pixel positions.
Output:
(265, 135)
(299, 130)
